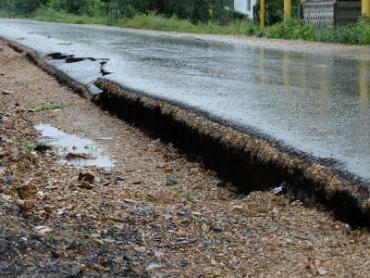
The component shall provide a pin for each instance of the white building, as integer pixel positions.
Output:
(245, 7)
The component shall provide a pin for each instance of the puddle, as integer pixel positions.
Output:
(74, 150)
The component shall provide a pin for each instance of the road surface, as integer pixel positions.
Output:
(308, 96)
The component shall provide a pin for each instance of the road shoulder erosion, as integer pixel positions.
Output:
(154, 214)
(252, 163)
(245, 159)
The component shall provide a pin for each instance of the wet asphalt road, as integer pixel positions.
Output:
(313, 102)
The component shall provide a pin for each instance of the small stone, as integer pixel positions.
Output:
(218, 182)
(184, 241)
(140, 249)
(184, 263)
(20, 202)
(171, 180)
(216, 229)
(6, 122)
(158, 254)
(106, 183)
(73, 245)
(152, 266)
(27, 191)
(185, 213)
(40, 195)
(6, 197)
(322, 271)
(95, 235)
(61, 211)
(86, 185)
(277, 190)
(86, 177)
(207, 242)
(42, 230)
(41, 148)
(26, 204)
(118, 180)
(108, 240)
(5, 92)
(74, 156)
(75, 271)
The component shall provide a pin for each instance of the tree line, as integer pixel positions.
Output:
(194, 10)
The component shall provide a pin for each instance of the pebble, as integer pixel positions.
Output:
(171, 180)
(6, 197)
(140, 249)
(42, 230)
(152, 266)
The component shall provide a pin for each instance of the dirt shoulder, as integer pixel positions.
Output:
(131, 221)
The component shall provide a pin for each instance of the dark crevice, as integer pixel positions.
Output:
(104, 72)
(102, 69)
(69, 59)
(72, 59)
(57, 56)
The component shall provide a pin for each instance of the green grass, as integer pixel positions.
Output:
(158, 22)
(45, 106)
(188, 195)
(3, 14)
(291, 29)
(358, 33)
(47, 14)
(197, 219)
(152, 21)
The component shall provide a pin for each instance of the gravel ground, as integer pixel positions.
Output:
(155, 214)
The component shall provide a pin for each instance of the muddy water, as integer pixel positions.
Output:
(315, 101)
(74, 150)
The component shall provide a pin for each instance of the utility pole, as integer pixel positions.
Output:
(366, 8)
(262, 13)
(288, 8)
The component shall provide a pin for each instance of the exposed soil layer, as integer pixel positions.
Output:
(154, 214)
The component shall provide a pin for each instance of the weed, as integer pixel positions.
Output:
(291, 29)
(358, 33)
(197, 219)
(188, 195)
(45, 106)
(159, 22)
(29, 146)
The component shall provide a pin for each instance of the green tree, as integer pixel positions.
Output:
(88, 7)
(24, 7)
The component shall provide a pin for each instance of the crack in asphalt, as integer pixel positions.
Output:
(69, 59)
